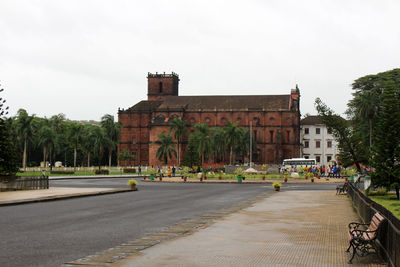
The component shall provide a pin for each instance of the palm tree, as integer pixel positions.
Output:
(366, 108)
(232, 135)
(202, 140)
(75, 135)
(47, 140)
(218, 144)
(25, 130)
(113, 132)
(101, 141)
(166, 149)
(89, 141)
(179, 127)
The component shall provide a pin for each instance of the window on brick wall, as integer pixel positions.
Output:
(160, 87)
(317, 144)
(271, 136)
(288, 136)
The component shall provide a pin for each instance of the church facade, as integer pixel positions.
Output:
(275, 120)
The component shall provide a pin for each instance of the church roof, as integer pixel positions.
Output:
(146, 105)
(227, 102)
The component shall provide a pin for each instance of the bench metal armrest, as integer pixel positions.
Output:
(355, 225)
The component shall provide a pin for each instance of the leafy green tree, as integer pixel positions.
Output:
(386, 149)
(179, 127)
(25, 131)
(232, 135)
(113, 132)
(8, 151)
(351, 149)
(75, 136)
(166, 147)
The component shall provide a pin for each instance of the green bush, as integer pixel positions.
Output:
(102, 171)
(62, 172)
(129, 170)
(379, 192)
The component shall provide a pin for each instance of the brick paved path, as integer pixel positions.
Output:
(293, 228)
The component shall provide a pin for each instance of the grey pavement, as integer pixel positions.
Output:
(292, 228)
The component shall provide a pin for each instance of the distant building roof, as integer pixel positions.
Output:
(311, 120)
(235, 102)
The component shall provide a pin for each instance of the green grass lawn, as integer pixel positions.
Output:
(390, 202)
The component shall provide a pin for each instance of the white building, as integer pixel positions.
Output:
(317, 142)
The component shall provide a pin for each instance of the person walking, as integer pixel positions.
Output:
(173, 171)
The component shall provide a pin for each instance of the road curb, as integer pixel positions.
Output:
(53, 178)
(62, 197)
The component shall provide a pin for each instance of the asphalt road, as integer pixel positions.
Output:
(52, 233)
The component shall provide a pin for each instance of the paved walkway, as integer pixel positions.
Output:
(292, 228)
(53, 193)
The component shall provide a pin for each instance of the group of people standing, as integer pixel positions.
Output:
(324, 171)
(167, 171)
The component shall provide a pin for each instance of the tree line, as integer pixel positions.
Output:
(204, 143)
(370, 135)
(58, 139)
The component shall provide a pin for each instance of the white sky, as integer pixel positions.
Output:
(87, 58)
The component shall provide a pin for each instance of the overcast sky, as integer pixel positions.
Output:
(87, 58)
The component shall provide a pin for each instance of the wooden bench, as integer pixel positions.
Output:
(342, 188)
(363, 241)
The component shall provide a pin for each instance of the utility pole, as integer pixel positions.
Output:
(251, 146)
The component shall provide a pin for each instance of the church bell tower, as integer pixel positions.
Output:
(162, 85)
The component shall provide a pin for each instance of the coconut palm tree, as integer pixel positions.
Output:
(25, 130)
(179, 127)
(47, 139)
(202, 140)
(232, 135)
(89, 141)
(101, 142)
(166, 149)
(113, 132)
(75, 136)
(218, 144)
(366, 108)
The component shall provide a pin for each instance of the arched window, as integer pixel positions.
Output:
(223, 121)
(192, 121)
(208, 119)
(160, 87)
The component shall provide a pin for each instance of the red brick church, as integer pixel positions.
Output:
(275, 120)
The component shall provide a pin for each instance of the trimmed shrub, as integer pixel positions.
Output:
(129, 170)
(102, 171)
